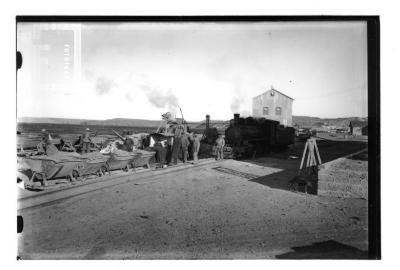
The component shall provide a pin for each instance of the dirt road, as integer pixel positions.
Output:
(198, 213)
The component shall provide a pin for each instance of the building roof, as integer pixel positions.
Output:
(275, 91)
(358, 123)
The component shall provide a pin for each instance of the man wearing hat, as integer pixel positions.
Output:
(86, 141)
(176, 148)
(45, 138)
(220, 147)
(45, 134)
(196, 148)
(184, 147)
(128, 141)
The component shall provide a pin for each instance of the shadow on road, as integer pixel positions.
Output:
(283, 180)
(329, 150)
(325, 250)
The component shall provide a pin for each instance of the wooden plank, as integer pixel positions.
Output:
(308, 158)
(304, 154)
(313, 161)
(316, 149)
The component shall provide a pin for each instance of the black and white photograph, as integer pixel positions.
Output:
(211, 138)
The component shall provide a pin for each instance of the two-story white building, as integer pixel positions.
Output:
(274, 105)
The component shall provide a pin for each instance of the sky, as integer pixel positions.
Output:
(142, 70)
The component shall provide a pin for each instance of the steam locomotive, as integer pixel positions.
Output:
(251, 136)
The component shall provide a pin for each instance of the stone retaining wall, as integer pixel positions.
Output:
(343, 177)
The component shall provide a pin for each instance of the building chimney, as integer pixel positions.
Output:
(207, 121)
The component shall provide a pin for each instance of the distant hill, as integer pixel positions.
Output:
(307, 121)
(108, 122)
(47, 120)
(219, 124)
(123, 122)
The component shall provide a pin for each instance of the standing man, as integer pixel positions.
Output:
(45, 134)
(176, 147)
(220, 147)
(86, 141)
(43, 143)
(196, 148)
(169, 147)
(185, 145)
(128, 142)
(161, 152)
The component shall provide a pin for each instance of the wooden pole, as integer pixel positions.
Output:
(313, 161)
(316, 148)
(304, 154)
(308, 156)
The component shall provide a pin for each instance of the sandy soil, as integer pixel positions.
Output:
(197, 213)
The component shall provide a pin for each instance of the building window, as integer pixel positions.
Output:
(265, 111)
(278, 110)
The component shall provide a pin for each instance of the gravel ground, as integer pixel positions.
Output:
(196, 214)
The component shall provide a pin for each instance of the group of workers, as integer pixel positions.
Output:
(182, 145)
(84, 141)
(170, 148)
(47, 146)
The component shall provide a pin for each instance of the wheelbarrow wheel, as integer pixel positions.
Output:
(104, 170)
(73, 176)
(101, 172)
(126, 168)
(44, 180)
(27, 186)
(76, 175)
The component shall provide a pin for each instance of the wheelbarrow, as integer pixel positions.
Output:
(120, 160)
(44, 168)
(93, 164)
(144, 158)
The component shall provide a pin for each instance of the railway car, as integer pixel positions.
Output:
(252, 136)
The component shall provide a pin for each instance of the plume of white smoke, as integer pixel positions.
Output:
(235, 104)
(161, 99)
(239, 101)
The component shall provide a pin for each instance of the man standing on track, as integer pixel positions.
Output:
(176, 147)
(196, 148)
(161, 152)
(220, 147)
(185, 145)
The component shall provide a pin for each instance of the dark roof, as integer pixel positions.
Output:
(276, 91)
(357, 123)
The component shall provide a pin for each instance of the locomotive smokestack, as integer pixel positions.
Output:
(236, 119)
(207, 121)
